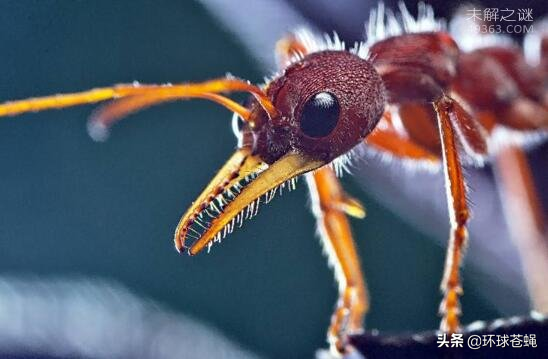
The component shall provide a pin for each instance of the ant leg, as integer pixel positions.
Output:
(525, 220)
(458, 215)
(386, 138)
(330, 205)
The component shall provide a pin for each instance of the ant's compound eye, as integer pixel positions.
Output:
(320, 115)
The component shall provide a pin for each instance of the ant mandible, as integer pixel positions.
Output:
(408, 92)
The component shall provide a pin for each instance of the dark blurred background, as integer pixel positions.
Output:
(69, 206)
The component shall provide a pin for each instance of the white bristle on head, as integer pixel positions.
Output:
(383, 23)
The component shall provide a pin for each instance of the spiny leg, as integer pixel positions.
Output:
(330, 206)
(455, 126)
(385, 138)
(458, 215)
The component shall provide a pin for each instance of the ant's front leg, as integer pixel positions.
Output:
(451, 120)
(412, 76)
(330, 205)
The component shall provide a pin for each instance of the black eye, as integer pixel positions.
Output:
(320, 115)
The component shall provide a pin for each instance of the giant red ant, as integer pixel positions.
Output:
(409, 92)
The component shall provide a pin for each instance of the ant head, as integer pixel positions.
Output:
(318, 109)
(327, 102)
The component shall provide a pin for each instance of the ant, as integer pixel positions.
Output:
(409, 92)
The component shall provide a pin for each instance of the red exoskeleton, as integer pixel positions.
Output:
(409, 92)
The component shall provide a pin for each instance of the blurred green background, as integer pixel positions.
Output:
(71, 206)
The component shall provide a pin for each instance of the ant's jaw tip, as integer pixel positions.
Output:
(181, 250)
(98, 131)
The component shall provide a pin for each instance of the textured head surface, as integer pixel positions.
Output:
(328, 102)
